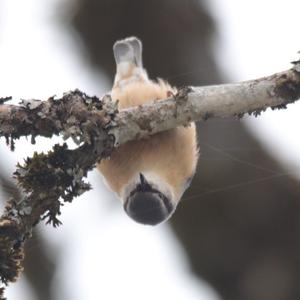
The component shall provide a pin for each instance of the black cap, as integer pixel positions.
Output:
(147, 205)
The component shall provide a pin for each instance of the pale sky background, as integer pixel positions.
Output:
(259, 38)
(106, 255)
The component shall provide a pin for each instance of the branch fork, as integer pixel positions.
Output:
(98, 127)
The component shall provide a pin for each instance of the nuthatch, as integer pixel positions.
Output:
(151, 174)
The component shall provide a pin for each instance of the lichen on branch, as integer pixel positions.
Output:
(48, 180)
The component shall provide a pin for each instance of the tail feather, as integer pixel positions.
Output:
(128, 57)
(128, 50)
(137, 49)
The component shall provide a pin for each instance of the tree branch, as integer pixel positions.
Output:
(202, 103)
(97, 127)
(63, 116)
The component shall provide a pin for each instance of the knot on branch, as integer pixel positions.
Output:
(288, 86)
(182, 93)
(181, 98)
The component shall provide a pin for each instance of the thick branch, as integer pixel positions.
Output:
(202, 103)
(51, 117)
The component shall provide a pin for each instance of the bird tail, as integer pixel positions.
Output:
(128, 57)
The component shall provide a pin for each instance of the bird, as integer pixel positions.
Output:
(148, 175)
